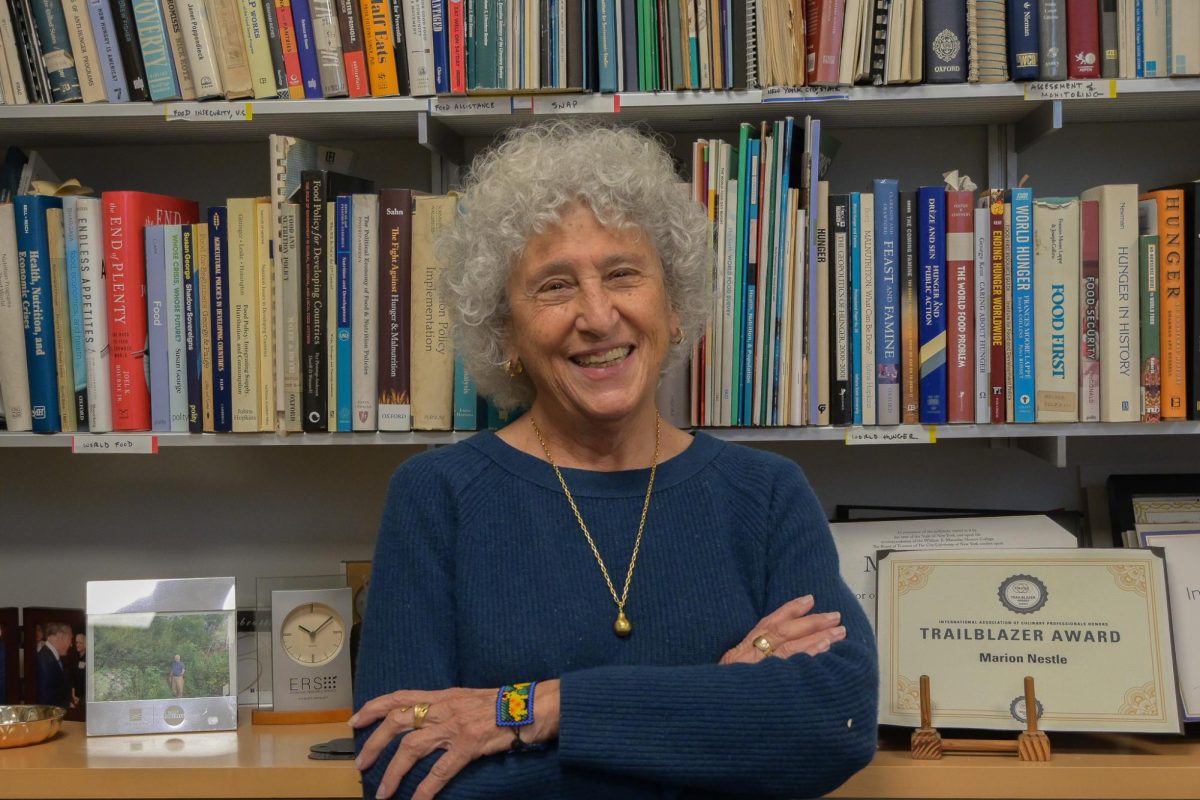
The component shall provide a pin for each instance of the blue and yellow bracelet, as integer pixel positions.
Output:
(514, 709)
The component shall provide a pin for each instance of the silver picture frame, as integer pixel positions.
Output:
(163, 656)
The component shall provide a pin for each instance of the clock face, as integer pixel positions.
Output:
(312, 634)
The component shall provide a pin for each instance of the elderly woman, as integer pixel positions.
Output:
(592, 602)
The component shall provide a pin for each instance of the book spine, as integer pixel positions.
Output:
(1056, 307)
(983, 296)
(178, 46)
(960, 342)
(377, 40)
(466, 399)
(270, 17)
(1120, 386)
(878, 48)
(204, 333)
(419, 45)
(432, 345)
(201, 50)
(1155, 36)
(1183, 40)
(365, 272)
(998, 307)
(395, 238)
(1023, 342)
(74, 286)
(867, 326)
(1109, 40)
(14, 368)
(932, 330)
(38, 81)
(887, 302)
(945, 41)
(112, 71)
(441, 46)
(1171, 304)
(1052, 40)
(327, 42)
(1083, 39)
(156, 342)
(227, 29)
(606, 33)
(10, 51)
(312, 259)
(342, 305)
(288, 262)
(258, 49)
(856, 283)
(33, 259)
(841, 411)
(1150, 375)
(264, 311)
(176, 337)
(1023, 40)
(354, 58)
(51, 28)
(1089, 311)
(1139, 40)
(909, 312)
(61, 317)
(131, 50)
(456, 19)
(306, 50)
(191, 328)
(218, 249)
(289, 46)
(156, 52)
(331, 292)
(243, 324)
(87, 64)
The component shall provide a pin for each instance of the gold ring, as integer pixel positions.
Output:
(763, 645)
(419, 712)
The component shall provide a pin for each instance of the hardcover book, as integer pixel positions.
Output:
(201, 49)
(1083, 39)
(1022, 332)
(932, 326)
(51, 29)
(960, 340)
(945, 41)
(1170, 292)
(225, 22)
(242, 269)
(1023, 40)
(14, 372)
(1120, 384)
(1052, 40)
(1109, 40)
(887, 301)
(395, 292)
(33, 258)
(983, 305)
(1056, 272)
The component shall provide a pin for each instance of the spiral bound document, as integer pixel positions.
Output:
(753, 34)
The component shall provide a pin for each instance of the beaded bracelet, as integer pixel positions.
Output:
(514, 709)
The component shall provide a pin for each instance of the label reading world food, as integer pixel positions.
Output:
(107, 443)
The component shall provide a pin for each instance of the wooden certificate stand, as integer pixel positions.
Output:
(1031, 745)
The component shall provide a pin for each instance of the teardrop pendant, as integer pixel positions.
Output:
(622, 627)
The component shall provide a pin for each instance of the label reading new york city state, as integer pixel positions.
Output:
(105, 443)
(898, 434)
(209, 112)
(1071, 90)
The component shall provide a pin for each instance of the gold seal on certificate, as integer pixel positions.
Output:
(1091, 627)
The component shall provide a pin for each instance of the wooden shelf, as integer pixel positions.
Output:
(272, 761)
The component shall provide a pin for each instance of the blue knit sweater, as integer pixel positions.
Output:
(482, 577)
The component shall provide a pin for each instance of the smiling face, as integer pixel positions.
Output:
(591, 321)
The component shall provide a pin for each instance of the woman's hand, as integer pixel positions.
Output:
(790, 629)
(461, 722)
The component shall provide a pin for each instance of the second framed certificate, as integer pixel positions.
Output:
(1091, 626)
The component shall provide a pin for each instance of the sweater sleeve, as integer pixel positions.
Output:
(797, 727)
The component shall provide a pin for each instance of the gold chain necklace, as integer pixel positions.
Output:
(622, 627)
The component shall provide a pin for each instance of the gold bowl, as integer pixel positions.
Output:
(26, 725)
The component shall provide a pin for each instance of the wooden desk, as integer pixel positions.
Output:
(272, 762)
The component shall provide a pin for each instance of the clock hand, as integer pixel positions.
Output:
(306, 630)
(322, 625)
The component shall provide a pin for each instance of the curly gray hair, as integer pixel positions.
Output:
(520, 187)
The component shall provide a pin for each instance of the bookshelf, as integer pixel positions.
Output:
(262, 504)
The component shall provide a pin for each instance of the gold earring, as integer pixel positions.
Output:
(677, 338)
(514, 367)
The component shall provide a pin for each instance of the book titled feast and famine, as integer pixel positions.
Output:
(1091, 626)
(858, 543)
(1181, 549)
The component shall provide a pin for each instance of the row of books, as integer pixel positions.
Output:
(55, 51)
(130, 312)
(941, 305)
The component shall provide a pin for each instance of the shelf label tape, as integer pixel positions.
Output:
(209, 112)
(897, 434)
(1071, 90)
(577, 104)
(469, 106)
(804, 94)
(137, 444)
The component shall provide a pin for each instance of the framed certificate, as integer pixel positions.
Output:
(1181, 549)
(1090, 626)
